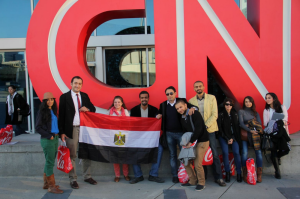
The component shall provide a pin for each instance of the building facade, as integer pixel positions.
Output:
(122, 47)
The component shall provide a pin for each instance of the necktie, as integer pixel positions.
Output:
(79, 105)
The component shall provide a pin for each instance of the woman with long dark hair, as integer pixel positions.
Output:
(118, 108)
(47, 126)
(281, 139)
(246, 114)
(229, 134)
(273, 105)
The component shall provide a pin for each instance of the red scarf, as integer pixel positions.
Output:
(113, 110)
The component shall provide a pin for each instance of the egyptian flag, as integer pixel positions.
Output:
(127, 140)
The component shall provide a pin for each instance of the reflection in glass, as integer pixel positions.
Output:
(128, 68)
(12, 72)
(90, 55)
(14, 18)
(243, 7)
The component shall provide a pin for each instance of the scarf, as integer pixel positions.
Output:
(113, 110)
(10, 103)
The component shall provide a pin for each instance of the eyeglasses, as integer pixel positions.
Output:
(171, 93)
(228, 104)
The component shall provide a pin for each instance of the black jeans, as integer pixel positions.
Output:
(216, 164)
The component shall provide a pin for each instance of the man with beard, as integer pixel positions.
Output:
(207, 106)
(195, 124)
(146, 110)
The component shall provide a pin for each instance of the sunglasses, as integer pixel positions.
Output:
(171, 93)
(228, 104)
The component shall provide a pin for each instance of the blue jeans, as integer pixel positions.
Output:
(173, 139)
(236, 154)
(217, 171)
(154, 168)
(245, 155)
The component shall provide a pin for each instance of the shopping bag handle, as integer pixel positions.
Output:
(63, 143)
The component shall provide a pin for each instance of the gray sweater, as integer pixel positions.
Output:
(244, 116)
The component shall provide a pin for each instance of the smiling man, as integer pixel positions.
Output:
(171, 127)
(70, 104)
(146, 110)
(194, 123)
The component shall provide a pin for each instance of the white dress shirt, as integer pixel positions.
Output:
(76, 120)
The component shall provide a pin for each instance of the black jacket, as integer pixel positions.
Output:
(43, 128)
(199, 132)
(67, 112)
(136, 111)
(280, 138)
(19, 102)
(224, 124)
(163, 109)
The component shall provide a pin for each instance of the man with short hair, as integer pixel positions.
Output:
(70, 105)
(194, 123)
(171, 126)
(207, 106)
(146, 110)
(15, 103)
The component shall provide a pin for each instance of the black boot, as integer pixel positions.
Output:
(227, 179)
(276, 167)
(239, 178)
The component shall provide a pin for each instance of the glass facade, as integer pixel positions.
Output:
(14, 18)
(12, 72)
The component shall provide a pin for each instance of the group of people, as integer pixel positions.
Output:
(199, 115)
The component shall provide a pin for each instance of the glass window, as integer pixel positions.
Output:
(243, 7)
(90, 55)
(128, 67)
(122, 27)
(14, 18)
(150, 16)
(12, 72)
(35, 2)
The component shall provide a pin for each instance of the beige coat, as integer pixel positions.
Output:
(210, 111)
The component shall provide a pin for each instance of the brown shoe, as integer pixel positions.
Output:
(74, 185)
(117, 179)
(127, 178)
(46, 186)
(51, 184)
(259, 174)
(91, 181)
(245, 174)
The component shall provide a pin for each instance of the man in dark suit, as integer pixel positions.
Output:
(146, 110)
(70, 104)
(15, 105)
(171, 127)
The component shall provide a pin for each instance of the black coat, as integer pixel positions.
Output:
(224, 124)
(19, 102)
(44, 129)
(67, 112)
(163, 110)
(280, 138)
(136, 111)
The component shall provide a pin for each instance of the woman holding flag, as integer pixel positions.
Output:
(118, 108)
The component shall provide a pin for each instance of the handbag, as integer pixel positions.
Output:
(267, 143)
(244, 134)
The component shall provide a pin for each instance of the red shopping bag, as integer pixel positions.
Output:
(6, 134)
(231, 164)
(64, 162)
(182, 174)
(251, 173)
(208, 157)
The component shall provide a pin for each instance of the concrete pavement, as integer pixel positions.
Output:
(31, 188)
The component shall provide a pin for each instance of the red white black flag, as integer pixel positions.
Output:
(128, 140)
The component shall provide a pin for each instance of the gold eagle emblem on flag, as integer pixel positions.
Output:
(119, 139)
